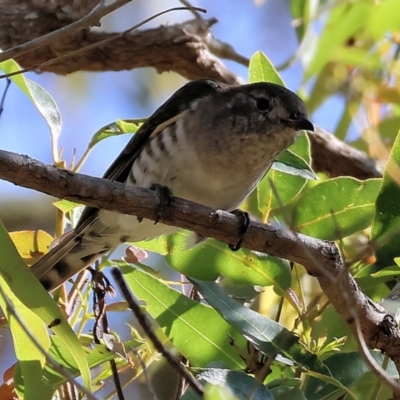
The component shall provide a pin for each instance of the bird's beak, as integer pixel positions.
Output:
(300, 123)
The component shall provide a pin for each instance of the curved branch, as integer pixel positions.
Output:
(336, 158)
(321, 258)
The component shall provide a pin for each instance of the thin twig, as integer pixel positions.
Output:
(99, 311)
(373, 365)
(3, 97)
(145, 324)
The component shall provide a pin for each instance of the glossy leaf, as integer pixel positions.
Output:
(118, 127)
(265, 334)
(30, 359)
(31, 245)
(291, 163)
(345, 368)
(38, 301)
(241, 385)
(211, 259)
(262, 70)
(182, 320)
(65, 205)
(284, 188)
(40, 98)
(385, 228)
(336, 208)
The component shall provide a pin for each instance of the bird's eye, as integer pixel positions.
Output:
(262, 104)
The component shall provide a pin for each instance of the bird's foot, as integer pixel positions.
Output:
(164, 194)
(246, 221)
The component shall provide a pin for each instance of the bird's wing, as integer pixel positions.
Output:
(164, 116)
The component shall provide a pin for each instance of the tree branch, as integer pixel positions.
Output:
(321, 258)
(336, 158)
(185, 48)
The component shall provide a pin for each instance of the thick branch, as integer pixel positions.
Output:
(185, 48)
(336, 158)
(320, 258)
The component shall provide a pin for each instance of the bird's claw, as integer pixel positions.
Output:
(243, 229)
(164, 194)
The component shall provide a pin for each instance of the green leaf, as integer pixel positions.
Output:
(31, 360)
(118, 127)
(183, 321)
(16, 278)
(385, 228)
(345, 368)
(40, 98)
(262, 70)
(303, 10)
(351, 17)
(291, 163)
(336, 208)
(209, 260)
(284, 393)
(384, 18)
(241, 385)
(65, 205)
(96, 355)
(265, 334)
(284, 187)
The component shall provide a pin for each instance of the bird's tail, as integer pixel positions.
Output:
(61, 262)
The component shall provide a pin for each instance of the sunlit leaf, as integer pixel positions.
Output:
(118, 127)
(65, 205)
(211, 259)
(182, 320)
(336, 208)
(291, 163)
(263, 333)
(350, 17)
(17, 279)
(262, 70)
(31, 245)
(40, 98)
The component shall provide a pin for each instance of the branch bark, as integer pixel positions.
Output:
(185, 48)
(336, 158)
(321, 258)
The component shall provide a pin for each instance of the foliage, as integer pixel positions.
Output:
(291, 325)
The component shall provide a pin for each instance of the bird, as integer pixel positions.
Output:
(210, 143)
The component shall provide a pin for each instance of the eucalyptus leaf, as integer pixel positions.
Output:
(241, 385)
(385, 227)
(265, 334)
